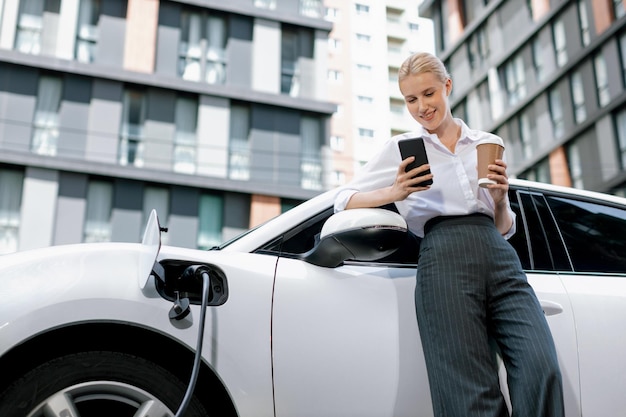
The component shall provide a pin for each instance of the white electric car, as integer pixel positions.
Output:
(310, 314)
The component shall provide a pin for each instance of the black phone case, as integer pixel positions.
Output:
(415, 147)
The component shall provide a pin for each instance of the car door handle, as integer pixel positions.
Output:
(550, 308)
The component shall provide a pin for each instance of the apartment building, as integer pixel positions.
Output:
(214, 113)
(368, 42)
(548, 76)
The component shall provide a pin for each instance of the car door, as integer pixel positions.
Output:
(594, 234)
(543, 257)
(345, 340)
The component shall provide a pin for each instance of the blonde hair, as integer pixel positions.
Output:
(422, 62)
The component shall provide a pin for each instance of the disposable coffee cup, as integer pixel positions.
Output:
(488, 151)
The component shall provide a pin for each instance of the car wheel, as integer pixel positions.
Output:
(97, 384)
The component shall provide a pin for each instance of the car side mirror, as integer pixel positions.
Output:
(366, 234)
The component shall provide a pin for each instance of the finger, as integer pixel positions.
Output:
(404, 164)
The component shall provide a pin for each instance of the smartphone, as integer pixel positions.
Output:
(415, 147)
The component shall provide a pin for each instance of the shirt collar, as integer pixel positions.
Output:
(467, 135)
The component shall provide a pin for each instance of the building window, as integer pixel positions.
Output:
(334, 44)
(210, 215)
(296, 43)
(131, 136)
(311, 158)
(575, 166)
(99, 208)
(311, 8)
(337, 143)
(239, 143)
(335, 75)
(87, 30)
(338, 178)
(539, 173)
(515, 80)
(538, 61)
(585, 36)
(186, 119)
(602, 80)
(578, 97)
(393, 76)
(556, 113)
(618, 8)
(332, 14)
(478, 49)
(202, 53)
(525, 134)
(30, 24)
(366, 133)
(364, 69)
(362, 9)
(265, 4)
(11, 183)
(622, 55)
(157, 198)
(363, 40)
(46, 118)
(364, 99)
(560, 43)
(397, 107)
(620, 127)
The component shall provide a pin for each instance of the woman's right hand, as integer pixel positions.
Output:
(407, 183)
(404, 185)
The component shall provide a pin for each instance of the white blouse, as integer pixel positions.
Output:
(454, 191)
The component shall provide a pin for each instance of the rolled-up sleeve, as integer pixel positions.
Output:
(378, 172)
(342, 198)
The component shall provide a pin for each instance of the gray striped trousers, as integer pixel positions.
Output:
(471, 292)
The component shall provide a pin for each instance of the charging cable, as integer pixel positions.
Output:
(206, 285)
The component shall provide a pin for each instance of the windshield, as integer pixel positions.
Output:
(239, 236)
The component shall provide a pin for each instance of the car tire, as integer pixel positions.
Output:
(97, 384)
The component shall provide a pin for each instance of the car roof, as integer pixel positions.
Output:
(574, 192)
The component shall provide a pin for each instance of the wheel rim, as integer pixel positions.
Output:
(101, 398)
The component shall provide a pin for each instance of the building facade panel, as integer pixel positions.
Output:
(140, 39)
(213, 135)
(168, 39)
(159, 129)
(240, 52)
(126, 215)
(19, 101)
(111, 39)
(9, 23)
(74, 116)
(70, 210)
(266, 56)
(105, 115)
(39, 198)
(183, 222)
(66, 36)
(608, 150)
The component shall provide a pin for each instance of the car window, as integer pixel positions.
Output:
(594, 234)
(536, 240)
(519, 240)
(550, 253)
(302, 238)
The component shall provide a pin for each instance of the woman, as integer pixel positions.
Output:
(471, 289)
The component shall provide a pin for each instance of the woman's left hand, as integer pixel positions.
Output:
(498, 174)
